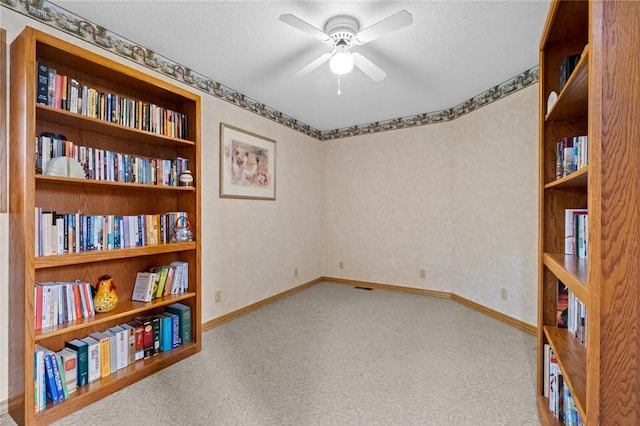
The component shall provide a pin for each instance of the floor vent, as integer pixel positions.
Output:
(363, 288)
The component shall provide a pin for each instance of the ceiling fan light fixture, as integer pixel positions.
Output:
(341, 62)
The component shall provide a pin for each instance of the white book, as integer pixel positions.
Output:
(39, 382)
(143, 287)
(122, 346)
(70, 366)
(94, 358)
(569, 229)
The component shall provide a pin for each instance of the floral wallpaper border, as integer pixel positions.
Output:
(61, 19)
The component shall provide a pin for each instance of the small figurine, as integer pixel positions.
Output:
(105, 298)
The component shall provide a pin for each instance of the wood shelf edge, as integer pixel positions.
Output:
(54, 261)
(572, 359)
(571, 271)
(124, 309)
(546, 416)
(120, 379)
(577, 179)
(127, 185)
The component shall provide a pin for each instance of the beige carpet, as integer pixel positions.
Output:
(336, 355)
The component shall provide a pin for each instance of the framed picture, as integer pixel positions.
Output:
(247, 164)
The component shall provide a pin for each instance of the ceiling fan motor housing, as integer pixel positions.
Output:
(342, 30)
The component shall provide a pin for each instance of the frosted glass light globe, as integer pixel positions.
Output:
(341, 62)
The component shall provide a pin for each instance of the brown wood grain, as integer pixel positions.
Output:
(608, 387)
(3, 121)
(67, 195)
(618, 204)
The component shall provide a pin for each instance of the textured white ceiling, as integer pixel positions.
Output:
(453, 51)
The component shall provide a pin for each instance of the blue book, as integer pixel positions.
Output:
(184, 312)
(50, 381)
(175, 329)
(166, 333)
(42, 96)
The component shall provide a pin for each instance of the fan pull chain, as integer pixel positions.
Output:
(339, 91)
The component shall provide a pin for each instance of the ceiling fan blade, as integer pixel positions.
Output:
(313, 65)
(388, 25)
(369, 68)
(303, 26)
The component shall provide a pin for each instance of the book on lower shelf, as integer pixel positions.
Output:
(102, 353)
(184, 313)
(576, 228)
(561, 403)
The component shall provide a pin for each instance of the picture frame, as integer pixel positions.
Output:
(247, 164)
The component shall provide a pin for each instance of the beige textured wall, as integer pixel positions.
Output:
(457, 199)
(495, 205)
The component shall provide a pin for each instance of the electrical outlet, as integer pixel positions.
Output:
(504, 294)
(423, 273)
(341, 265)
(295, 271)
(218, 296)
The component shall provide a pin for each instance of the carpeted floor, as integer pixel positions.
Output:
(336, 355)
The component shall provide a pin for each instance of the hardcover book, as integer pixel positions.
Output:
(70, 365)
(93, 358)
(184, 313)
(82, 350)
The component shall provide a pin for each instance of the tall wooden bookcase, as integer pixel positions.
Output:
(29, 190)
(601, 99)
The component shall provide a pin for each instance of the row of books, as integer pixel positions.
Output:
(104, 165)
(161, 281)
(561, 402)
(64, 92)
(85, 360)
(572, 313)
(571, 155)
(61, 233)
(60, 302)
(576, 231)
(567, 67)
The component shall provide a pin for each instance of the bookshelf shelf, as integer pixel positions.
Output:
(571, 270)
(577, 179)
(47, 113)
(572, 358)
(90, 393)
(30, 190)
(58, 180)
(56, 261)
(572, 100)
(124, 309)
(599, 100)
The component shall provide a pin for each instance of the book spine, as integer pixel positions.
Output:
(42, 94)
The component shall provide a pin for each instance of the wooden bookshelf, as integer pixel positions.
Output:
(3, 120)
(29, 190)
(601, 99)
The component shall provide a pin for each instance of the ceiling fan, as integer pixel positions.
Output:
(341, 33)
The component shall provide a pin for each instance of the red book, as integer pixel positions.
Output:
(138, 338)
(78, 300)
(58, 98)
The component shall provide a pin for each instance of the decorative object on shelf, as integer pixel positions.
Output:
(182, 231)
(553, 97)
(247, 164)
(106, 298)
(65, 167)
(186, 178)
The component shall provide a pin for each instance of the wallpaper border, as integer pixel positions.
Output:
(61, 19)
